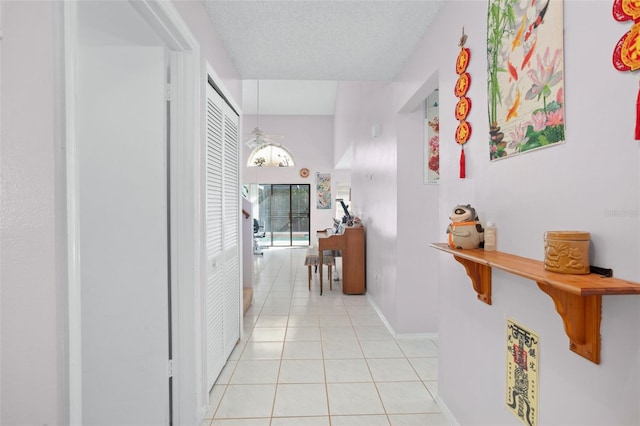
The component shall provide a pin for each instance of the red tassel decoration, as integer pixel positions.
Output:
(462, 164)
(638, 116)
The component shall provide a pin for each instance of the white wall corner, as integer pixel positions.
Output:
(446, 412)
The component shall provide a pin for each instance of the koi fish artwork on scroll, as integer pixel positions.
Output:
(525, 76)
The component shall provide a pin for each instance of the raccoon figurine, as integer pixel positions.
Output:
(465, 230)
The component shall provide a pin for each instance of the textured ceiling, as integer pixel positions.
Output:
(300, 49)
(321, 40)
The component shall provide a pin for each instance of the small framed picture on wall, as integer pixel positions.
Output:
(431, 165)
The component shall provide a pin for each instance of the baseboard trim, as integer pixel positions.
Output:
(446, 412)
(433, 336)
(381, 315)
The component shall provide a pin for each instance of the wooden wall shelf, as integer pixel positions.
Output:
(577, 298)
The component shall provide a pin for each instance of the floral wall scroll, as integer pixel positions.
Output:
(525, 75)
(432, 138)
(323, 190)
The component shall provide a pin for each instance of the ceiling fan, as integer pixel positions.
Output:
(258, 137)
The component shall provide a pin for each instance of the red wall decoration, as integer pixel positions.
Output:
(463, 131)
(626, 55)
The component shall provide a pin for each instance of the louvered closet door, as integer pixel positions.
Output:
(222, 216)
(231, 239)
(214, 290)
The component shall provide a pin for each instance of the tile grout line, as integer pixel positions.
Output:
(284, 342)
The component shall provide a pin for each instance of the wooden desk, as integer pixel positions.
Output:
(351, 243)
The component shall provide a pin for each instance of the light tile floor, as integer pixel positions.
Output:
(314, 360)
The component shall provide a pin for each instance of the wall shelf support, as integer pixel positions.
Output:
(480, 278)
(581, 316)
(577, 298)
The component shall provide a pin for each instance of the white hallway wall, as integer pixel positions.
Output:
(32, 347)
(572, 186)
(398, 209)
(374, 184)
(33, 307)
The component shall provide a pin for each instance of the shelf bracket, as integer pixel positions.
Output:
(581, 316)
(480, 277)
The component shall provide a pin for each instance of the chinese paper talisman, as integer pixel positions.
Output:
(626, 54)
(463, 131)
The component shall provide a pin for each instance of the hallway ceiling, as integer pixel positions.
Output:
(282, 43)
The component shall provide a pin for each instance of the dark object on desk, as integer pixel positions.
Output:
(605, 272)
(347, 218)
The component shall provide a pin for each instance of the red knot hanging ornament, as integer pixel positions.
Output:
(626, 55)
(463, 131)
(462, 108)
(462, 84)
(463, 60)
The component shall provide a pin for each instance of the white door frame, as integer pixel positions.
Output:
(185, 208)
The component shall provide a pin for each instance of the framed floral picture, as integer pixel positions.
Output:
(431, 160)
(323, 190)
(525, 76)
